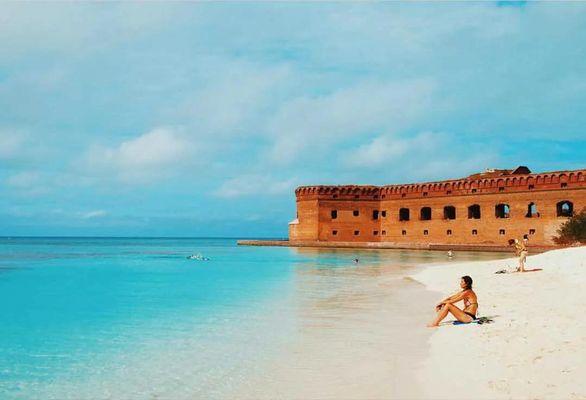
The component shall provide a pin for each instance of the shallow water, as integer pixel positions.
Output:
(134, 318)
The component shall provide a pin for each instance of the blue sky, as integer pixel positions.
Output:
(200, 119)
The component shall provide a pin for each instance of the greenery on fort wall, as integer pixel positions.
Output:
(573, 230)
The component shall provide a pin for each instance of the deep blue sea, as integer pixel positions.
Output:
(135, 318)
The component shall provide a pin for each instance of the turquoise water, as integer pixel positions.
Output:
(114, 317)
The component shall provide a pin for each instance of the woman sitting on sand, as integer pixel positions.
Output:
(467, 295)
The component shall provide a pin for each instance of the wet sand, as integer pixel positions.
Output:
(365, 341)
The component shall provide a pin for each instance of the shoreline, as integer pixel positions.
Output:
(536, 346)
(391, 245)
(361, 344)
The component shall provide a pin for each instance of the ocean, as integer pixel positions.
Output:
(116, 318)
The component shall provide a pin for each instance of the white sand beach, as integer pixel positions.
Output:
(371, 342)
(536, 347)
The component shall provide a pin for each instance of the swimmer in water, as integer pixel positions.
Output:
(450, 254)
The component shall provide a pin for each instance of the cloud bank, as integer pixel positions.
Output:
(184, 112)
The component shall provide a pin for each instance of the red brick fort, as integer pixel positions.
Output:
(484, 209)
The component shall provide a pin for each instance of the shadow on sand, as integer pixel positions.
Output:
(479, 321)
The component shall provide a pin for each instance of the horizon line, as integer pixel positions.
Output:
(135, 237)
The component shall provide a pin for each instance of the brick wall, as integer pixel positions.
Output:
(371, 214)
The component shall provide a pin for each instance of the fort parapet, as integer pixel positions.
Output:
(482, 210)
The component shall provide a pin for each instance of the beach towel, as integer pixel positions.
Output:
(479, 321)
(504, 271)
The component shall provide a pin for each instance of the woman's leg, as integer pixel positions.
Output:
(522, 259)
(441, 314)
(454, 310)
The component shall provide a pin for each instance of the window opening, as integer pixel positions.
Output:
(532, 211)
(425, 213)
(404, 214)
(474, 211)
(502, 211)
(565, 208)
(449, 212)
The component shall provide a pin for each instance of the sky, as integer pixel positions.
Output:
(200, 119)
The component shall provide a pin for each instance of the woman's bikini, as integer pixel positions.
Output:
(468, 304)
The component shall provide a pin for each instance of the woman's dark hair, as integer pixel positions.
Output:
(511, 241)
(468, 282)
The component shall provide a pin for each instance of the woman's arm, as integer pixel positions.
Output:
(452, 299)
(455, 298)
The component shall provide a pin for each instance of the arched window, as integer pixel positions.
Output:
(532, 211)
(502, 211)
(449, 212)
(565, 208)
(474, 211)
(404, 214)
(425, 213)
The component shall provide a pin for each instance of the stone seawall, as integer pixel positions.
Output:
(388, 245)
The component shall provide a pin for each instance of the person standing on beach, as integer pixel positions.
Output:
(521, 252)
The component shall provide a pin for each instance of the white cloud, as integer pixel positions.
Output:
(143, 159)
(93, 214)
(156, 148)
(75, 27)
(389, 149)
(11, 144)
(380, 150)
(22, 149)
(235, 95)
(251, 185)
(29, 183)
(397, 29)
(23, 180)
(321, 123)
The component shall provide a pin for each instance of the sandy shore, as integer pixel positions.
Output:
(363, 342)
(536, 347)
